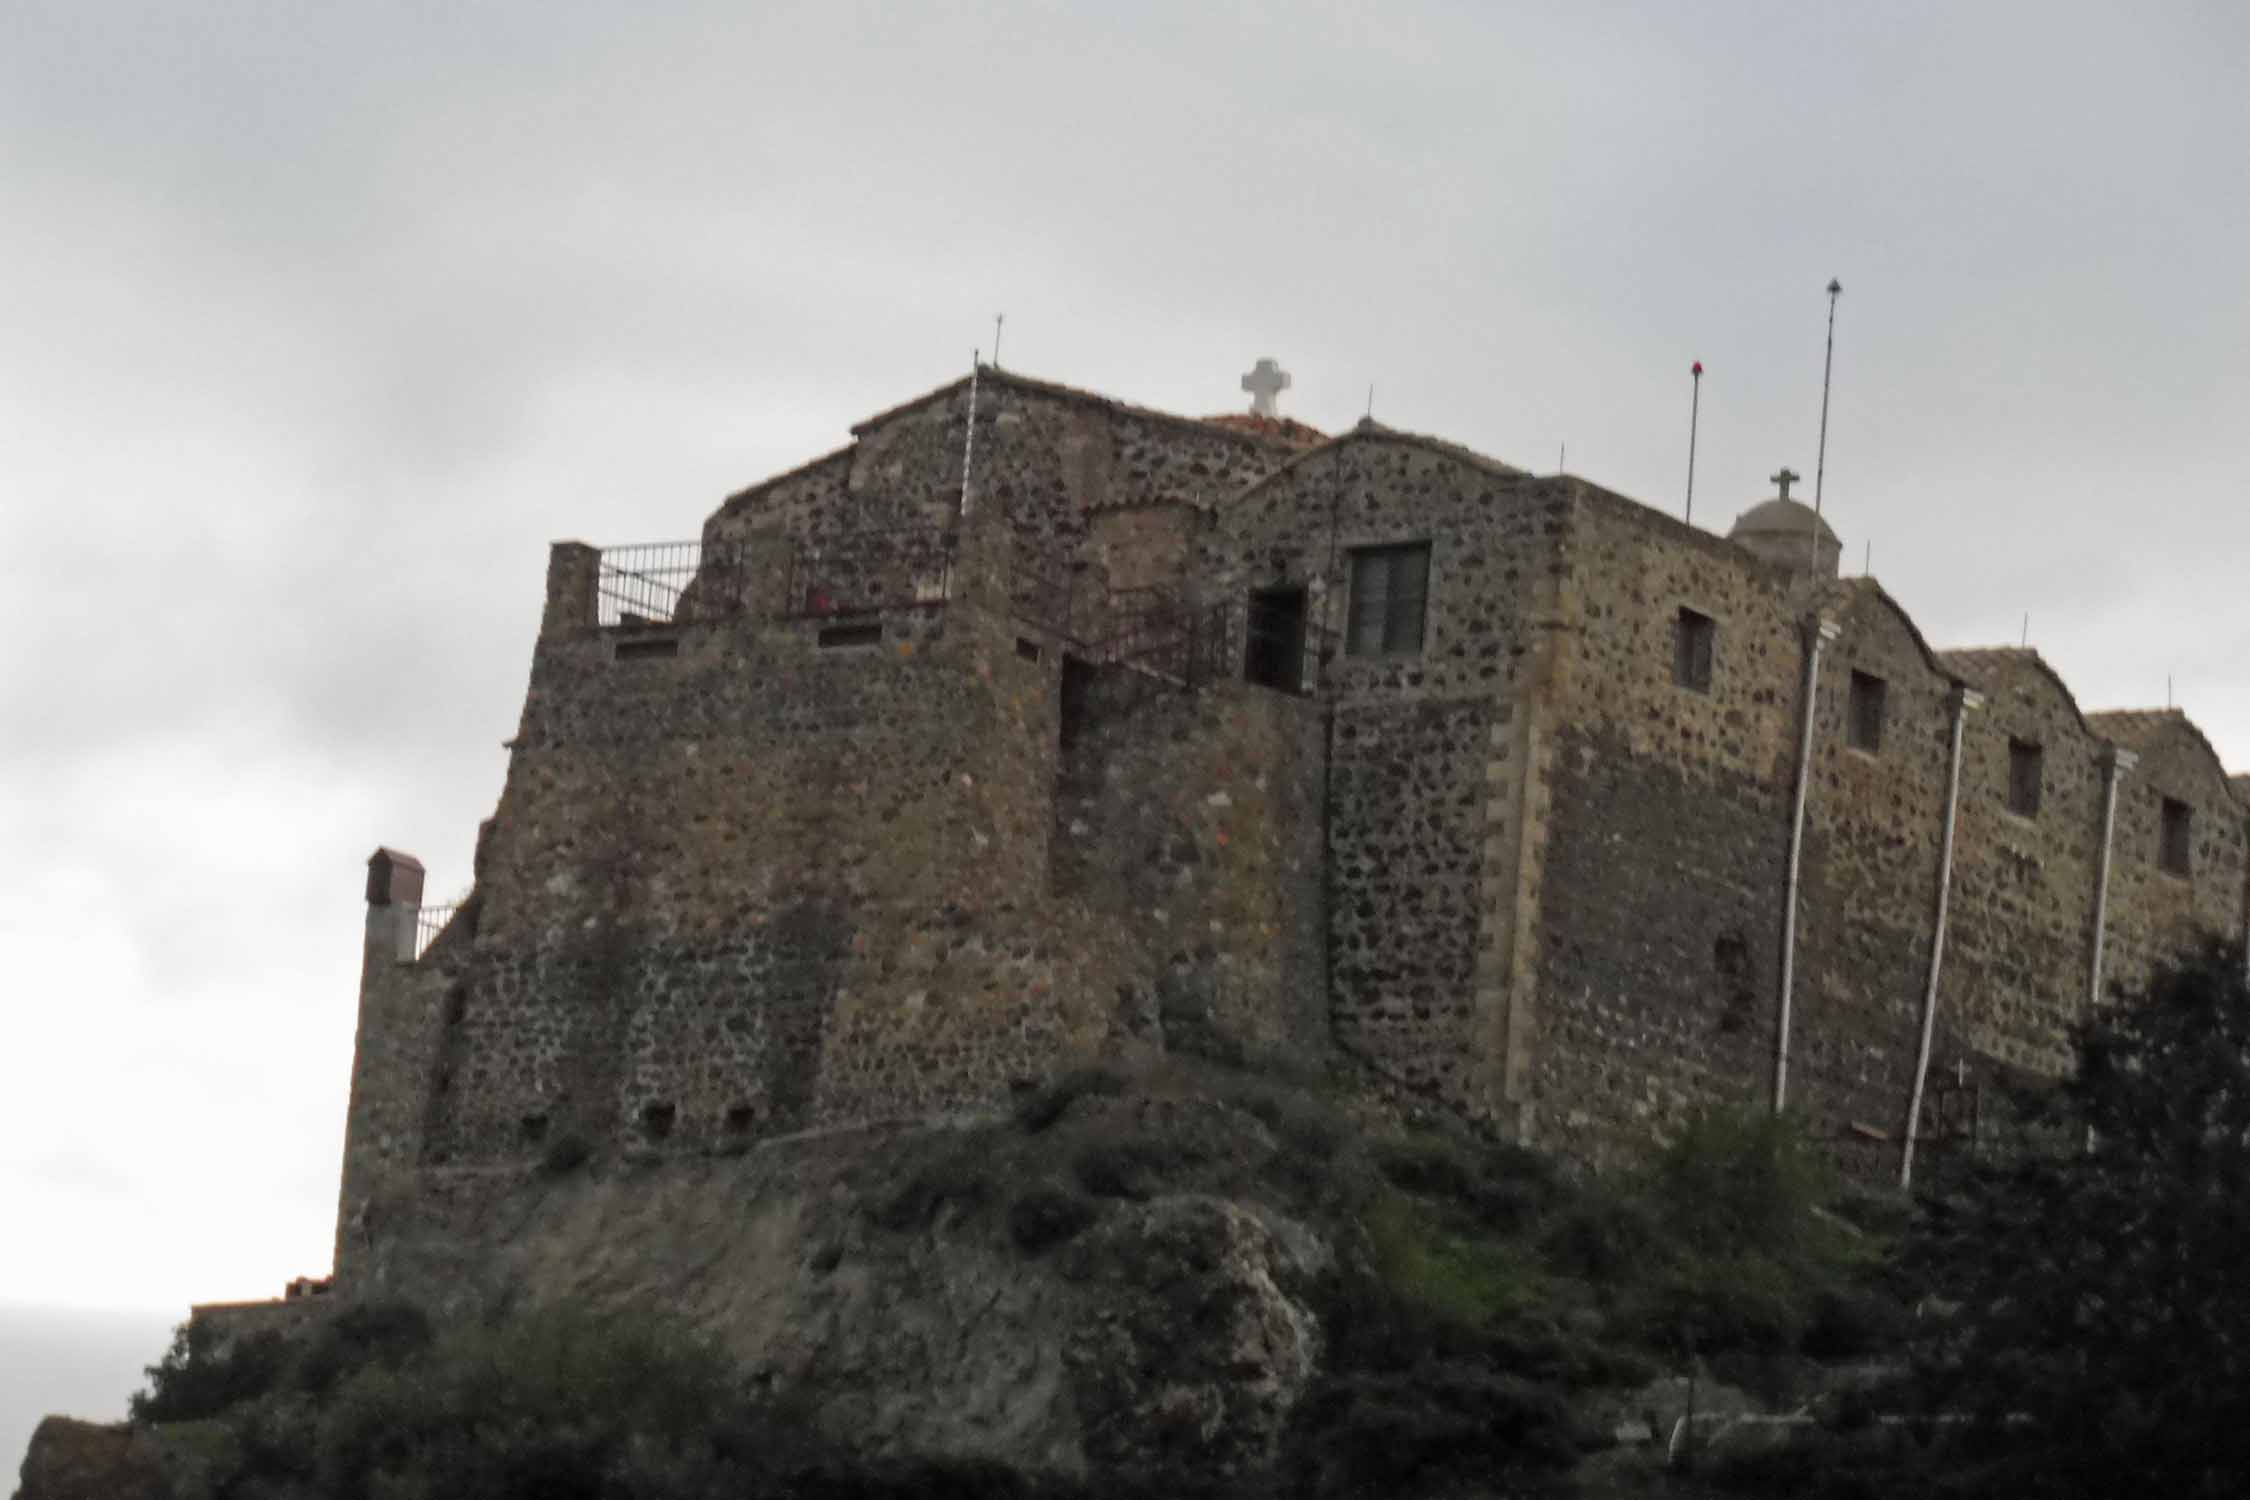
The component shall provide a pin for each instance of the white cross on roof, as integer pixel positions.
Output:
(1265, 382)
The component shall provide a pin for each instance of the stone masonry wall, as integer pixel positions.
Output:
(2154, 912)
(1874, 823)
(2019, 946)
(1666, 856)
(1427, 787)
(1667, 845)
(1193, 822)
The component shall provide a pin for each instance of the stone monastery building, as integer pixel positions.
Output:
(1031, 726)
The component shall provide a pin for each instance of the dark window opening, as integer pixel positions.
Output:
(740, 1118)
(2174, 852)
(1693, 641)
(1077, 685)
(1390, 586)
(1273, 653)
(657, 1120)
(1864, 730)
(1028, 650)
(2024, 776)
(647, 647)
(869, 634)
(1738, 996)
(533, 1128)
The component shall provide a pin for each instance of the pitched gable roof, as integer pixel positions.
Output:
(1985, 666)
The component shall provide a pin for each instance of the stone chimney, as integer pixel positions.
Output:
(394, 895)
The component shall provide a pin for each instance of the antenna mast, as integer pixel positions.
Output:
(1827, 370)
(1695, 414)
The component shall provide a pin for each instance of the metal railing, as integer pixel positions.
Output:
(668, 583)
(856, 572)
(430, 921)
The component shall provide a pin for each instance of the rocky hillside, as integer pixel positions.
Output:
(1202, 1277)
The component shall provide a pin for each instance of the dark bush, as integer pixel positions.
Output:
(1047, 1216)
(1602, 1237)
(565, 1153)
(199, 1377)
(1138, 1167)
(1043, 1107)
(1438, 1424)
(1502, 1188)
(960, 1181)
(1741, 1178)
(366, 1333)
(1851, 1322)
(1736, 1303)
(1430, 1165)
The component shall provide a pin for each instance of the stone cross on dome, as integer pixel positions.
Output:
(1785, 479)
(1264, 382)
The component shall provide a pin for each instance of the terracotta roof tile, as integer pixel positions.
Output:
(1287, 429)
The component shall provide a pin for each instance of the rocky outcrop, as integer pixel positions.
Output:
(902, 1286)
(73, 1460)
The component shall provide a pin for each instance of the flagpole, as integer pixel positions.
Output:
(1827, 369)
(1695, 413)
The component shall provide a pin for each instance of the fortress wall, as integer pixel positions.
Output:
(1667, 837)
(709, 888)
(395, 1064)
(1192, 823)
(2154, 913)
(2019, 944)
(1426, 754)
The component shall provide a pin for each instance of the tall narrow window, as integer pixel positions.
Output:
(1864, 729)
(2176, 838)
(1389, 586)
(2024, 775)
(1692, 641)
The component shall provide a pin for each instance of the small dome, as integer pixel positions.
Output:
(1781, 530)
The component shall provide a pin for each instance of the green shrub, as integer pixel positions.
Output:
(363, 1334)
(1603, 1237)
(1043, 1107)
(1047, 1216)
(1502, 1188)
(198, 1377)
(1718, 1304)
(552, 1405)
(1741, 1177)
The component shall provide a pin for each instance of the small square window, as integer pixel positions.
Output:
(2025, 764)
(2177, 838)
(1389, 588)
(1864, 730)
(1692, 641)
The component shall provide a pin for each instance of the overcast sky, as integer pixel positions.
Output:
(321, 321)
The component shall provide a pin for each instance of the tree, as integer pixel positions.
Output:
(2100, 1340)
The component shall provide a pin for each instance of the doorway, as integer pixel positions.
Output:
(1274, 646)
